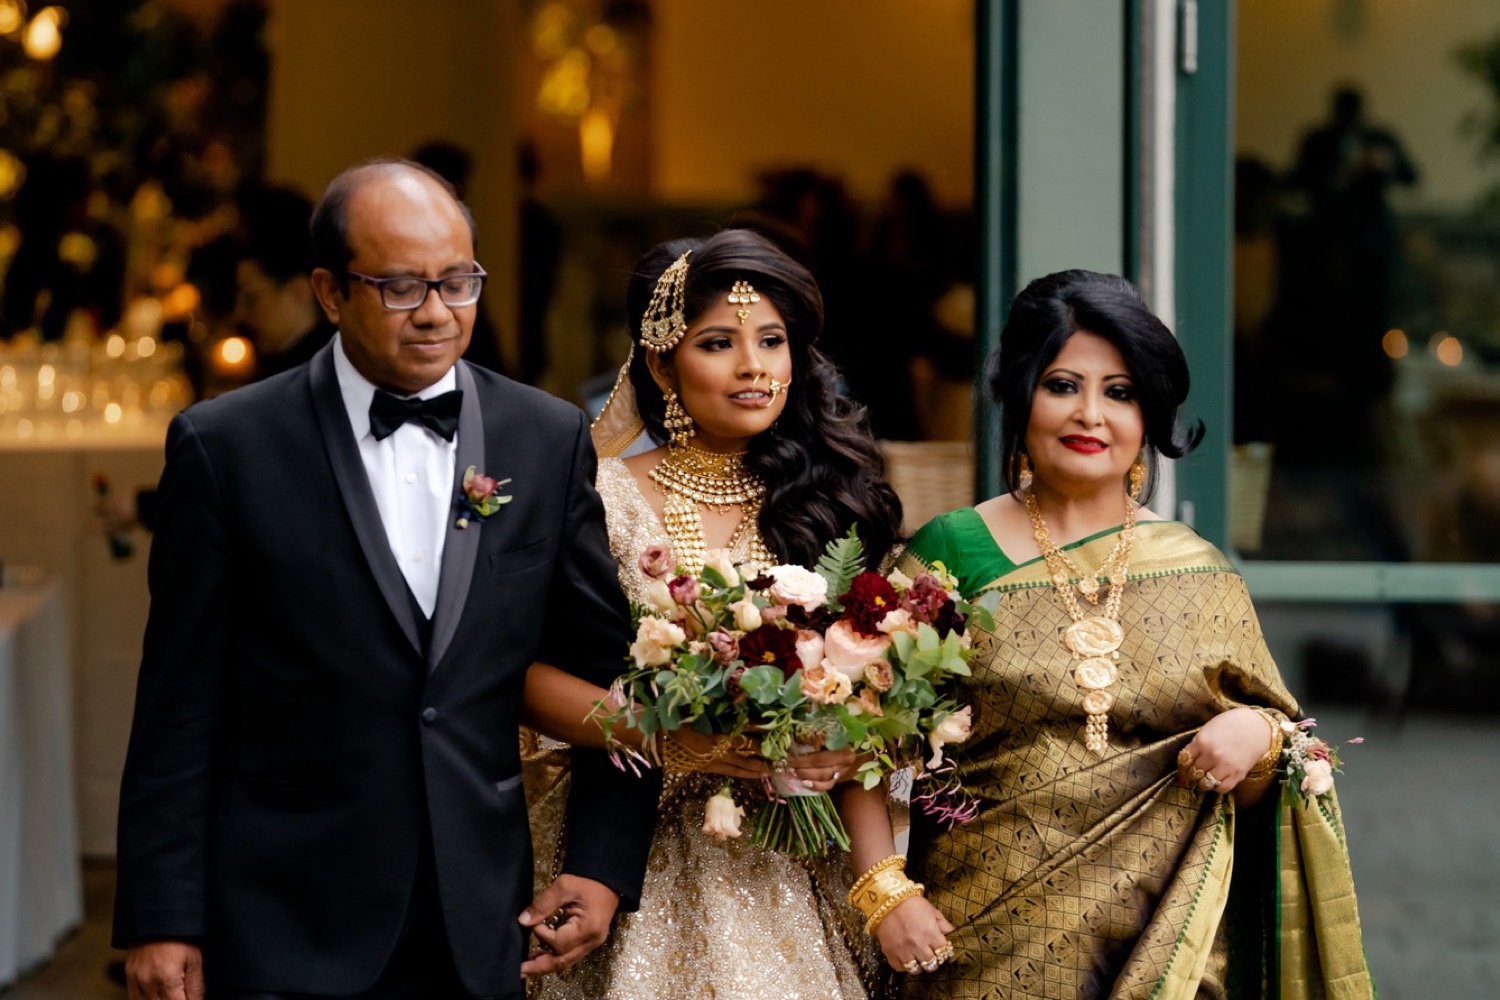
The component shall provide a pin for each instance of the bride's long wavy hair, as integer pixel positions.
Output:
(822, 469)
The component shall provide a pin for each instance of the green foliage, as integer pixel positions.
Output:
(840, 563)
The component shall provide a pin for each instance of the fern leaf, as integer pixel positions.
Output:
(841, 562)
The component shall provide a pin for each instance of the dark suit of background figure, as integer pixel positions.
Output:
(301, 749)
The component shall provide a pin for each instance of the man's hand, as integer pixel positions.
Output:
(164, 970)
(570, 918)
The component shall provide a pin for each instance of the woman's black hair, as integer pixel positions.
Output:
(1049, 311)
(822, 468)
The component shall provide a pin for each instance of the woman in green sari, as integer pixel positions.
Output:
(1131, 840)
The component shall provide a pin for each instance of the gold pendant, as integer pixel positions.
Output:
(1093, 637)
(1089, 587)
(1095, 673)
(1098, 702)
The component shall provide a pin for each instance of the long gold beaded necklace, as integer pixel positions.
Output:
(692, 478)
(1094, 641)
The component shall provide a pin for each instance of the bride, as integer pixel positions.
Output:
(761, 455)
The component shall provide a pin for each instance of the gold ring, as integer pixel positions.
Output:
(1209, 782)
(1185, 757)
(944, 953)
(931, 965)
(913, 967)
(1196, 774)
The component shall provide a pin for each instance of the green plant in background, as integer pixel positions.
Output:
(1481, 61)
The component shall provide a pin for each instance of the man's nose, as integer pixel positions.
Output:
(433, 311)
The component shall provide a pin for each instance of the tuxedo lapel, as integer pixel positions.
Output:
(354, 489)
(461, 547)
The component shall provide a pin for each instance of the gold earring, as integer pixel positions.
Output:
(1023, 472)
(1137, 479)
(676, 420)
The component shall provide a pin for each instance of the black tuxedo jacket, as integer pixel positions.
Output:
(293, 737)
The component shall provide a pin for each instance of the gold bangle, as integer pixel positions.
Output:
(1266, 766)
(891, 902)
(678, 759)
(897, 861)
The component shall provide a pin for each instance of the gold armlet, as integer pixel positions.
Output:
(1266, 766)
(882, 888)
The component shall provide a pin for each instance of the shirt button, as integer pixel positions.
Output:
(411, 477)
(416, 557)
(429, 715)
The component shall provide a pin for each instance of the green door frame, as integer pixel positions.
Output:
(995, 189)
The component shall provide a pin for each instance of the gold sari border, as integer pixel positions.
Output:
(1162, 548)
(1179, 980)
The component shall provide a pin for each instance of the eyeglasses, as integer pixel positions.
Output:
(455, 290)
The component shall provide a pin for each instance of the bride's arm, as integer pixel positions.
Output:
(557, 704)
(914, 930)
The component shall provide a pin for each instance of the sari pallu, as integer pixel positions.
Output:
(1096, 875)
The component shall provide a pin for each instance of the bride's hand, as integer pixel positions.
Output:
(820, 770)
(913, 932)
(1224, 750)
(726, 761)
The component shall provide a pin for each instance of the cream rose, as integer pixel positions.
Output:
(659, 597)
(795, 585)
(847, 652)
(1317, 777)
(879, 675)
(654, 641)
(954, 729)
(899, 620)
(721, 562)
(747, 617)
(809, 648)
(866, 703)
(826, 687)
(898, 579)
(721, 817)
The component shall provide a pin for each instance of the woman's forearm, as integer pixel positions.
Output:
(557, 704)
(868, 822)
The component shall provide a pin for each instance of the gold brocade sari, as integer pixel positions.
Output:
(1096, 875)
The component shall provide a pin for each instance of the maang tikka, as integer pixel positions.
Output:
(743, 294)
(665, 322)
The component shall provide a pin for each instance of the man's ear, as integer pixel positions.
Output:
(326, 287)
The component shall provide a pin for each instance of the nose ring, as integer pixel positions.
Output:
(777, 388)
(755, 382)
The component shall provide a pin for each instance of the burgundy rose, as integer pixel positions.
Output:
(762, 581)
(657, 561)
(925, 598)
(726, 648)
(684, 590)
(870, 598)
(816, 620)
(771, 647)
(949, 620)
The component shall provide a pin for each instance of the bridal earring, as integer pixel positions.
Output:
(1023, 472)
(676, 420)
(1137, 479)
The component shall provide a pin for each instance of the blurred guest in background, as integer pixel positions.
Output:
(274, 302)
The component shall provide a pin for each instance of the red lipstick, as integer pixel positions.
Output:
(1084, 444)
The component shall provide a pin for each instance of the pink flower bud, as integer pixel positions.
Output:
(479, 486)
(657, 561)
(684, 590)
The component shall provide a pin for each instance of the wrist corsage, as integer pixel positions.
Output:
(1308, 762)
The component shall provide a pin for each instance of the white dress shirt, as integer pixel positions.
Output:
(412, 476)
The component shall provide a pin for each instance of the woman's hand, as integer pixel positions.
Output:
(913, 932)
(726, 760)
(820, 770)
(1227, 746)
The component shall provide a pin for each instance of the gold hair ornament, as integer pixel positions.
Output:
(743, 295)
(665, 322)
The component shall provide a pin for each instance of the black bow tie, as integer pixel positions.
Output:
(438, 414)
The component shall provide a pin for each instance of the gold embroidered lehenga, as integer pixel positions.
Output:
(1094, 874)
(718, 919)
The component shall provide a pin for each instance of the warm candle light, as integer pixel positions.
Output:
(12, 14)
(1450, 351)
(234, 350)
(43, 35)
(1394, 344)
(114, 346)
(112, 413)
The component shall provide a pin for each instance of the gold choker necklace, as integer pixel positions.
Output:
(690, 478)
(1094, 641)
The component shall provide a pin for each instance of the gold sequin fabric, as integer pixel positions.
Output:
(718, 919)
(1081, 874)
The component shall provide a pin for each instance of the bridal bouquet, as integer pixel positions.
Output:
(822, 658)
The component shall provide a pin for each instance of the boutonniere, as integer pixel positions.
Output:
(480, 497)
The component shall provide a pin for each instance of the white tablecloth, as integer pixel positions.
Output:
(41, 896)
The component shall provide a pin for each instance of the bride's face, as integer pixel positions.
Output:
(722, 371)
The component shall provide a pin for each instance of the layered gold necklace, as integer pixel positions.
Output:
(1093, 640)
(692, 478)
